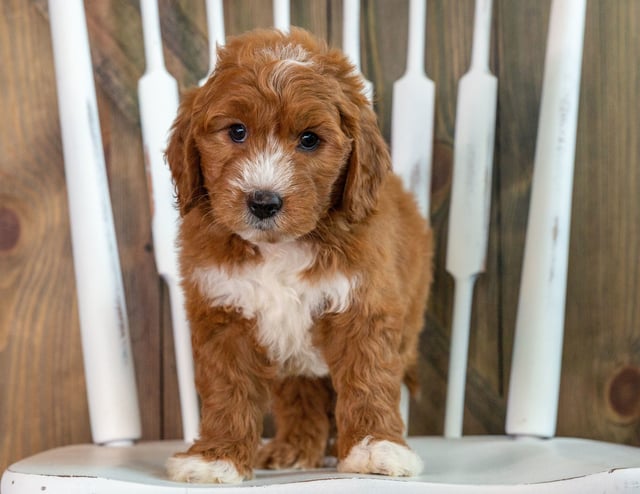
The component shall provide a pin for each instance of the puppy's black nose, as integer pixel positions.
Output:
(264, 204)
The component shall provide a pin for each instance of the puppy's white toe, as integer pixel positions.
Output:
(382, 457)
(197, 470)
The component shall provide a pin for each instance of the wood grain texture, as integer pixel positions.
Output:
(521, 41)
(42, 397)
(43, 400)
(603, 307)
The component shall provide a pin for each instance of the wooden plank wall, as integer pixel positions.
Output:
(42, 397)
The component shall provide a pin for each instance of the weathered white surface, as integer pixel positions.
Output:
(108, 362)
(351, 39)
(281, 15)
(413, 112)
(537, 353)
(494, 464)
(158, 97)
(470, 202)
(215, 28)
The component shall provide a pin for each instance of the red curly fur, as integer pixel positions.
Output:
(348, 247)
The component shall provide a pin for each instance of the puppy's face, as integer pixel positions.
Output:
(272, 149)
(270, 144)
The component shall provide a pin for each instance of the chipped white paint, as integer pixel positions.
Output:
(282, 302)
(351, 41)
(282, 15)
(413, 113)
(537, 353)
(111, 387)
(470, 203)
(155, 120)
(215, 28)
(472, 464)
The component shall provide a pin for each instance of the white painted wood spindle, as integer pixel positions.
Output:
(106, 347)
(537, 354)
(158, 98)
(413, 112)
(351, 40)
(281, 15)
(470, 203)
(215, 28)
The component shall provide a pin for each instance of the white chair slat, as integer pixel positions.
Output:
(537, 355)
(281, 15)
(412, 120)
(156, 85)
(351, 40)
(468, 234)
(215, 28)
(109, 370)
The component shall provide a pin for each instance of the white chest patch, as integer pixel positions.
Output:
(283, 304)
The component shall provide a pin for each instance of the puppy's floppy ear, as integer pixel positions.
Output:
(369, 161)
(184, 158)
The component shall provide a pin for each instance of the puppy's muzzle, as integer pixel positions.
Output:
(264, 204)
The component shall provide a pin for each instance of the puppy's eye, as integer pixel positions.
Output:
(308, 141)
(238, 133)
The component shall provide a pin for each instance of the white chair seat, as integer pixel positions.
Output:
(473, 464)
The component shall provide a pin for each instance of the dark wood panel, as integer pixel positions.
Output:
(601, 366)
(521, 39)
(130, 204)
(522, 31)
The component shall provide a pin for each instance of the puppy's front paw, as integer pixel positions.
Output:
(382, 457)
(197, 469)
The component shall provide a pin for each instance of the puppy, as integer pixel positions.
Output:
(306, 266)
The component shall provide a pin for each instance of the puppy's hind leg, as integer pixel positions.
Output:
(301, 407)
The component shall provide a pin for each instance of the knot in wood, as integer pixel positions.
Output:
(9, 229)
(623, 394)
